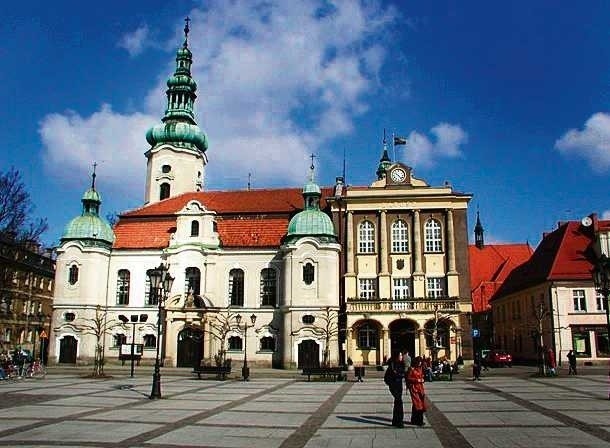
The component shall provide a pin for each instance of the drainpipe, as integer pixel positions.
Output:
(552, 314)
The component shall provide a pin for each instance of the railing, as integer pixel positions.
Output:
(416, 305)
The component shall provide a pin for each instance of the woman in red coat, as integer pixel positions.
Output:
(415, 383)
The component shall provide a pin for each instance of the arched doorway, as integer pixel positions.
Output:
(402, 336)
(67, 350)
(437, 338)
(309, 354)
(190, 347)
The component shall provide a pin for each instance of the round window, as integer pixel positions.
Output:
(69, 317)
(308, 319)
(166, 168)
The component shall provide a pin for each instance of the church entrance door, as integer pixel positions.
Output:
(309, 354)
(190, 347)
(67, 350)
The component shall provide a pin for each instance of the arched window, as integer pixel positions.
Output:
(434, 240)
(400, 236)
(268, 287)
(164, 191)
(367, 336)
(73, 274)
(236, 287)
(192, 281)
(122, 287)
(267, 344)
(308, 273)
(194, 228)
(366, 237)
(235, 343)
(150, 341)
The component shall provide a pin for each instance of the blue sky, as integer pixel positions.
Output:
(506, 100)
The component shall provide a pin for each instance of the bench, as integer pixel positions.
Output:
(219, 371)
(336, 373)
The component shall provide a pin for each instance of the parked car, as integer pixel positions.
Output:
(498, 358)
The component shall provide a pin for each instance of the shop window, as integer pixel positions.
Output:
(581, 343)
(601, 341)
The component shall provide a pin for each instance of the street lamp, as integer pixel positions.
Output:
(601, 279)
(245, 371)
(160, 284)
(133, 322)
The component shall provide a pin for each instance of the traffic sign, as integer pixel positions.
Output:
(476, 333)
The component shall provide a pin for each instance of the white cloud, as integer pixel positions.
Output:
(276, 81)
(136, 41)
(591, 144)
(421, 152)
(113, 140)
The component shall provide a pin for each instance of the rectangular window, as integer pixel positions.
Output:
(601, 303)
(581, 343)
(435, 287)
(367, 288)
(268, 287)
(122, 287)
(601, 341)
(580, 302)
(402, 288)
(150, 297)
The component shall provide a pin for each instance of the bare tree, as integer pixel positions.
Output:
(97, 326)
(220, 326)
(16, 209)
(329, 328)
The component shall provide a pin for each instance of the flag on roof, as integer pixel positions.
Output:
(399, 141)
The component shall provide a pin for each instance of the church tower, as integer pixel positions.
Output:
(478, 233)
(177, 158)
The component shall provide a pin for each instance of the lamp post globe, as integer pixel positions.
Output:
(160, 284)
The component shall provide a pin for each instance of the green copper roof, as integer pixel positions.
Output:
(179, 127)
(89, 227)
(312, 221)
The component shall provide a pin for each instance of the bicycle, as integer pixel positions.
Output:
(36, 370)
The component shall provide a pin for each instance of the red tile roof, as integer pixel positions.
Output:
(564, 254)
(245, 218)
(489, 267)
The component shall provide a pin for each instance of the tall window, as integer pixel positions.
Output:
(122, 287)
(150, 296)
(580, 301)
(267, 344)
(366, 238)
(436, 287)
(192, 281)
(367, 288)
(402, 288)
(73, 274)
(400, 236)
(194, 228)
(268, 287)
(235, 343)
(367, 336)
(601, 303)
(164, 191)
(236, 287)
(432, 231)
(308, 273)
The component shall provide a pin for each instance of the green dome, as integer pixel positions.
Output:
(311, 188)
(178, 132)
(88, 226)
(311, 223)
(92, 195)
(179, 80)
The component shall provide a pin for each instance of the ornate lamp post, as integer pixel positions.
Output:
(601, 279)
(160, 284)
(245, 370)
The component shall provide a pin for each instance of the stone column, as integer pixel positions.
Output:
(450, 243)
(383, 243)
(422, 343)
(350, 243)
(417, 246)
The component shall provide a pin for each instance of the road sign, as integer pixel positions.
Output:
(43, 335)
(476, 333)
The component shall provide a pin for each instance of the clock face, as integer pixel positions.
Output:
(398, 175)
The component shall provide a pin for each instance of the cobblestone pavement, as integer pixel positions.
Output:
(500, 411)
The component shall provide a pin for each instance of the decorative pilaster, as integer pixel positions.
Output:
(350, 243)
(450, 243)
(383, 239)
(417, 246)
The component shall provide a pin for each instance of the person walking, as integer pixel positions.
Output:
(571, 362)
(476, 367)
(394, 377)
(415, 384)
(550, 356)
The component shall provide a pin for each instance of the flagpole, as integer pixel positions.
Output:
(393, 147)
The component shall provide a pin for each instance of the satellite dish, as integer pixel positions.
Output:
(586, 221)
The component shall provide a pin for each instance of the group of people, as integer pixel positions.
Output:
(411, 372)
(16, 360)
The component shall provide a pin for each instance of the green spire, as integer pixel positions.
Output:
(384, 162)
(89, 227)
(311, 221)
(179, 126)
